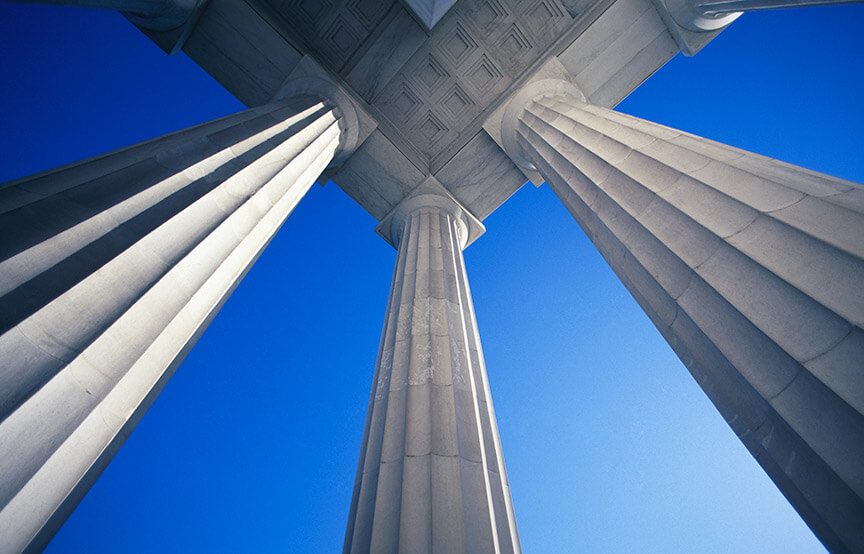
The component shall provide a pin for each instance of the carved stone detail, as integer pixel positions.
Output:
(472, 55)
(334, 29)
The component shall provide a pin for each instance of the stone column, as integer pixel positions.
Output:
(431, 475)
(110, 269)
(753, 271)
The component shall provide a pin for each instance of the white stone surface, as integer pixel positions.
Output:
(430, 191)
(689, 15)
(432, 91)
(618, 51)
(431, 474)
(419, 113)
(241, 50)
(107, 287)
(763, 307)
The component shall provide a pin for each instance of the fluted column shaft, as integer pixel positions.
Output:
(431, 475)
(753, 271)
(110, 269)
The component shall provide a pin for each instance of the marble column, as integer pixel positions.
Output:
(753, 271)
(431, 475)
(110, 269)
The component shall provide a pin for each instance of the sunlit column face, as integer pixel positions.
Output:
(116, 266)
(751, 270)
(431, 473)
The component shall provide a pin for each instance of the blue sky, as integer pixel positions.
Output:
(610, 445)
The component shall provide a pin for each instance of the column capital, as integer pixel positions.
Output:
(692, 17)
(432, 202)
(521, 100)
(349, 123)
(430, 194)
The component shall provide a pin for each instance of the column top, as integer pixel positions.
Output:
(690, 15)
(521, 100)
(430, 194)
(349, 125)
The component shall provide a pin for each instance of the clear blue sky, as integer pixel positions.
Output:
(610, 445)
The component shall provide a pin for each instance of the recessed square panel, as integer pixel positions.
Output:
(545, 19)
(489, 13)
(368, 12)
(456, 102)
(311, 10)
(431, 74)
(341, 38)
(406, 102)
(430, 128)
(458, 45)
(514, 43)
(543, 12)
(483, 74)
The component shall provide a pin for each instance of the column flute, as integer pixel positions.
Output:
(110, 269)
(751, 269)
(431, 474)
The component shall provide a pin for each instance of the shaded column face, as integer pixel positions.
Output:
(752, 270)
(431, 475)
(109, 271)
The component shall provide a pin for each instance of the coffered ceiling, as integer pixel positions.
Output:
(429, 94)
